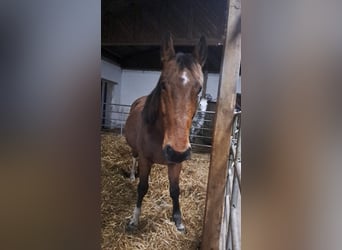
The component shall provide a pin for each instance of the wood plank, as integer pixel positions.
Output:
(144, 22)
(177, 41)
(222, 129)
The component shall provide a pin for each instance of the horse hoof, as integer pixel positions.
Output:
(132, 178)
(131, 226)
(181, 228)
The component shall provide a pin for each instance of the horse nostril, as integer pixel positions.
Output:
(187, 153)
(176, 157)
(169, 149)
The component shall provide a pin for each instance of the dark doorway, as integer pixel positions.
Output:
(107, 99)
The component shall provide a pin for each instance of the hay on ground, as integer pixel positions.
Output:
(155, 230)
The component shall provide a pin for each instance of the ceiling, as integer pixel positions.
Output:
(132, 30)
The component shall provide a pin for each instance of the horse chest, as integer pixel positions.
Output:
(152, 148)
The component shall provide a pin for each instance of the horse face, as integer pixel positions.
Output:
(181, 82)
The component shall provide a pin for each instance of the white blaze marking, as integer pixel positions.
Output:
(185, 78)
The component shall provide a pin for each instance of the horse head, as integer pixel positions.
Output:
(175, 97)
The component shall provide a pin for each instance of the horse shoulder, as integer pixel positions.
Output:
(133, 124)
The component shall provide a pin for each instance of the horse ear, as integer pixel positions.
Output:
(201, 51)
(167, 50)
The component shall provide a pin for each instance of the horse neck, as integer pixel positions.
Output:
(157, 125)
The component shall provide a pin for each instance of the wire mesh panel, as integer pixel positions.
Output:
(230, 237)
(201, 137)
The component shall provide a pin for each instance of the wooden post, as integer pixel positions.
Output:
(222, 130)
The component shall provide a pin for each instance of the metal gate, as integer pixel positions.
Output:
(115, 116)
(230, 237)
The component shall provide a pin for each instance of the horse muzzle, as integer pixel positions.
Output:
(173, 156)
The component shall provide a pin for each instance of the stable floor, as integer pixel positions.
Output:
(156, 230)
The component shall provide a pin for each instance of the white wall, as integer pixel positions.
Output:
(113, 73)
(238, 85)
(110, 71)
(212, 85)
(137, 83)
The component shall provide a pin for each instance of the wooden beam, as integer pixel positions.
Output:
(145, 22)
(222, 130)
(190, 17)
(177, 41)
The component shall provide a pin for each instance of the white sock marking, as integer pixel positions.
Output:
(181, 227)
(135, 217)
(134, 163)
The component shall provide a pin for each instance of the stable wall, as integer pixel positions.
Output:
(137, 83)
(112, 72)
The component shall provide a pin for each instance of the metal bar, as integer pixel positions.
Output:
(202, 136)
(207, 129)
(211, 41)
(201, 145)
(235, 216)
(237, 165)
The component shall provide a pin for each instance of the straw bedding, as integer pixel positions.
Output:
(155, 230)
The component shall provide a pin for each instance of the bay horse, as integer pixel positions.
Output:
(157, 128)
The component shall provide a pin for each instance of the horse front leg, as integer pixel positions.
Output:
(173, 173)
(144, 172)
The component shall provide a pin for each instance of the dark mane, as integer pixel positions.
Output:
(151, 107)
